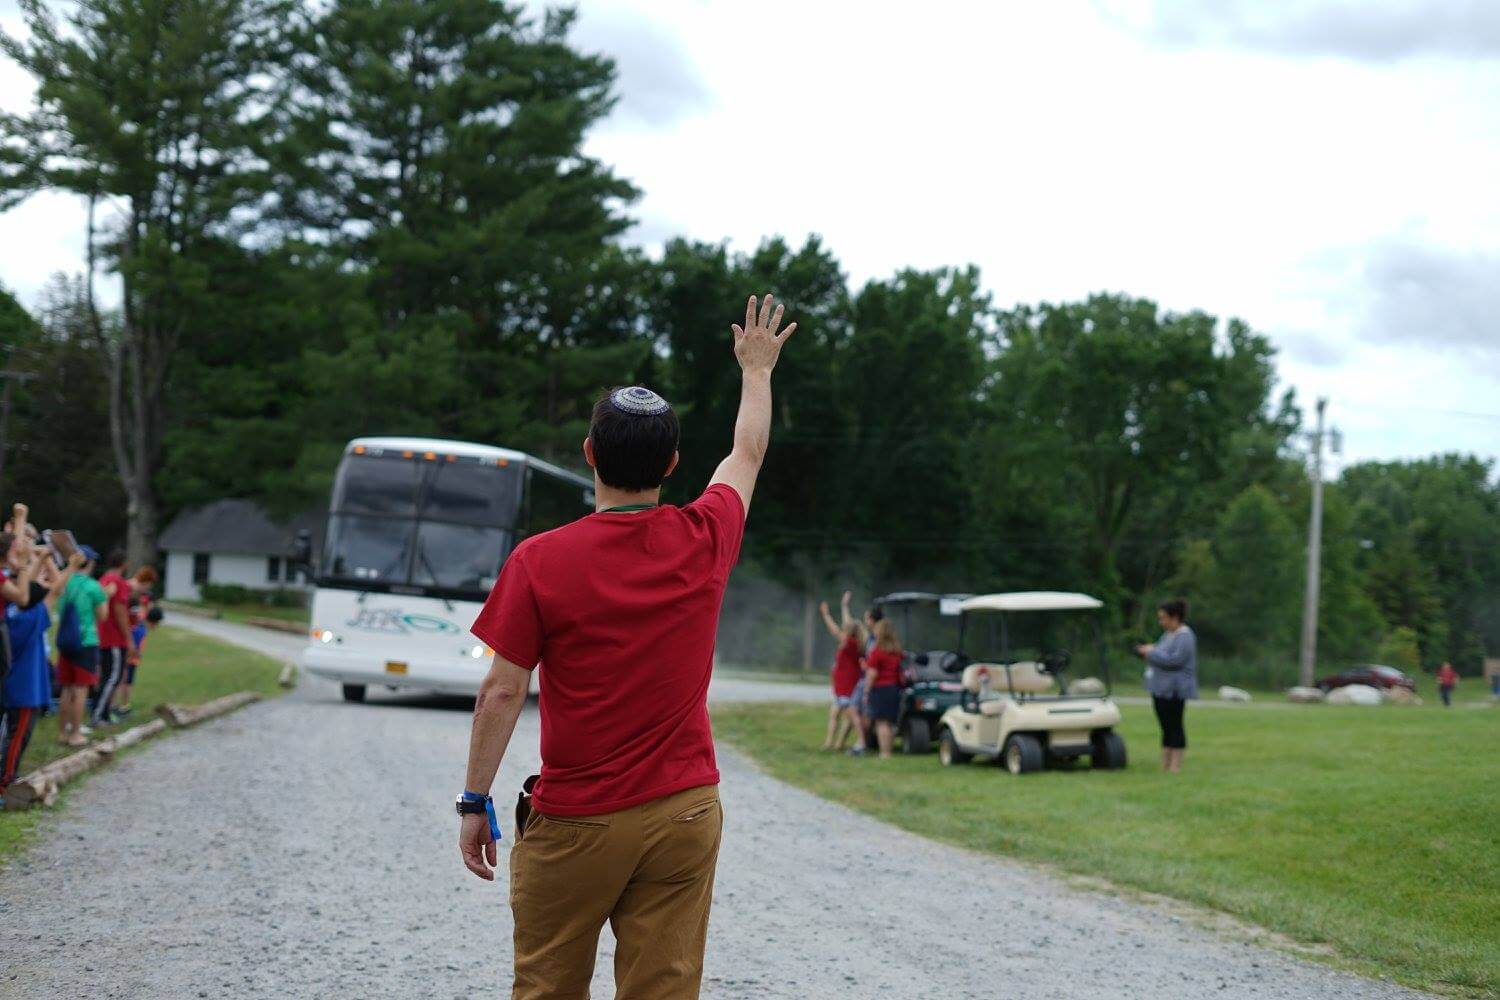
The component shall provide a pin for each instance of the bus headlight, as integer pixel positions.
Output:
(481, 651)
(323, 636)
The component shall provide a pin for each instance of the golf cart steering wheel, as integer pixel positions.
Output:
(1055, 661)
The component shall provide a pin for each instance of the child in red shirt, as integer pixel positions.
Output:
(843, 714)
(883, 683)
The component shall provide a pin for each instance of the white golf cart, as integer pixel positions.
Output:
(1016, 706)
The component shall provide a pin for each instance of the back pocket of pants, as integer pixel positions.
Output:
(696, 811)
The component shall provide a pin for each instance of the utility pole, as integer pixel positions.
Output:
(1314, 557)
(10, 378)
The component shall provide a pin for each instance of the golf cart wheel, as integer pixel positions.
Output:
(1109, 750)
(948, 752)
(354, 692)
(1023, 754)
(918, 736)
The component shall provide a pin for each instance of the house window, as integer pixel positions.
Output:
(273, 569)
(200, 568)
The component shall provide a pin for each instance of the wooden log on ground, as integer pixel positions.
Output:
(180, 717)
(277, 624)
(40, 786)
(133, 735)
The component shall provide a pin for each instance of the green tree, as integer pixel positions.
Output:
(60, 461)
(439, 145)
(1125, 413)
(157, 113)
(1254, 597)
(1433, 558)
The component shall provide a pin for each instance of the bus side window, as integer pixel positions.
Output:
(551, 502)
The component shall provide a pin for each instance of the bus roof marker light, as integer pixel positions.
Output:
(430, 456)
(407, 454)
(359, 449)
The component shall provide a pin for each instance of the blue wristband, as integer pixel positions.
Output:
(489, 811)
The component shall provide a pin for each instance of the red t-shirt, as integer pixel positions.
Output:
(887, 666)
(621, 609)
(846, 667)
(110, 636)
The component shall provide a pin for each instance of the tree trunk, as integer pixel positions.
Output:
(143, 518)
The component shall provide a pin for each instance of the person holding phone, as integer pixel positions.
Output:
(1172, 678)
(27, 689)
(82, 609)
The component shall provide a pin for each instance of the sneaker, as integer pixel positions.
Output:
(85, 731)
(120, 713)
(856, 751)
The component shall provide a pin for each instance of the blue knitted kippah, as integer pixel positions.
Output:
(639, 400)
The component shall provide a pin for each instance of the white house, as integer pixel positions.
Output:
(231, 542)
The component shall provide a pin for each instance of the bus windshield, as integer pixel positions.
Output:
(442, 525)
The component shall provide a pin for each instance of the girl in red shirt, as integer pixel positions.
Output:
(883, 683)
(843, 714)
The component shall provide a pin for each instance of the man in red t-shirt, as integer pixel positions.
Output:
(621, 607)
(116, 645)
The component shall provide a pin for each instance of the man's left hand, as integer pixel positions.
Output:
(477, 846)
(1145, 650)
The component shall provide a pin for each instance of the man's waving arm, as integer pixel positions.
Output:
(757, 345)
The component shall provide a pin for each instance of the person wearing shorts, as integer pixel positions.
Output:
(843, 719)
(80, 611)
(883, 684)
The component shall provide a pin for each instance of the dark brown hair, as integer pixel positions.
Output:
(1174, 607)
(632, 450)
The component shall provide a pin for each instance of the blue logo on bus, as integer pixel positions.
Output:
(393, 621)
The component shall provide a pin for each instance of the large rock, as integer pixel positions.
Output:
(1227, 693)
(1355, 694)
(1402, 696)
(1304, 695)
(1086, 685)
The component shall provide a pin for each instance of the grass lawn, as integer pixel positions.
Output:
(1371, 831)
(178, 666)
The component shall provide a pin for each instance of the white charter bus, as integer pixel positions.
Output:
(417, 530)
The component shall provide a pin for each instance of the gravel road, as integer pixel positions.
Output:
(306, 848)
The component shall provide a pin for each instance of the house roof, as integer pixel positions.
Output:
(237, 526)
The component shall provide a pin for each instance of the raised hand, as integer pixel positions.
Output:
(757, 345)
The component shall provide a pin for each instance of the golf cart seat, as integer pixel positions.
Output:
(1026, 677)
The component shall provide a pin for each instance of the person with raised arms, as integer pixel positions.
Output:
(620, 608)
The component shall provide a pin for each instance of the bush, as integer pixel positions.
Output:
(1400, 648)
(233, 593)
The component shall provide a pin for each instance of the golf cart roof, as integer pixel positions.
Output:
(913, 596)
(1032, 600)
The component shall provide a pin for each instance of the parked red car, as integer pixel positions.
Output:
(1373, 674)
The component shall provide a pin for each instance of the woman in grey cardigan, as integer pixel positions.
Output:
(1172, 678)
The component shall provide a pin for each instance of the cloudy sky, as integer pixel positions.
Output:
(1325, 169)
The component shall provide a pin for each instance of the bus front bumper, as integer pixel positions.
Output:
(456, 675)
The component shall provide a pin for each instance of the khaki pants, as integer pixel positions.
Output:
(648, 870)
